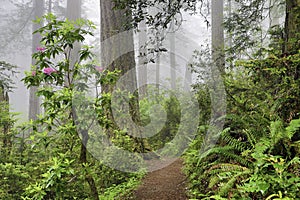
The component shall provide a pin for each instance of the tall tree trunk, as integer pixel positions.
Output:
(218, 101)
(117, 53)
(172, 55)
(142, 68)
(274, 14)
(74, 13)
(34, 102)
(157, 73)
(112, 56)
(292, 46)
(292, 25)
(217, 34)
(50, 6)
(230, 34)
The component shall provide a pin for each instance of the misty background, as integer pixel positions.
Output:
(16, 40)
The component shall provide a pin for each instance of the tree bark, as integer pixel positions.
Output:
(112, 57)
(292, 25)
(217, 34)
(117, 53)
(142, 68)
(172, 54)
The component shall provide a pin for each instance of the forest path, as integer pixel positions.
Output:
(164, 184)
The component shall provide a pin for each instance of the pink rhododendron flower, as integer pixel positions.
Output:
(33, 73)
(99, 69)
(48, 70)
(41, 49)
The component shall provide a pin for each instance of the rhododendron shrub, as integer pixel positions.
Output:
(63, 74)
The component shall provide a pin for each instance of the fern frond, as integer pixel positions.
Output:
(213, 181)
(276, 131)
(228, 167)
(294, 161)
(250, 137)
(228, 153)
(224, 189)
(262, 146)
(292, 128)
(237, 144)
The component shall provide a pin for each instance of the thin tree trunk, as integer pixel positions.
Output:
(50, 6)
(172, 55)
(142, 68)
(217, 69)
(157, 73)
(230, 34)
(83, 156)
(83, 160)
(34, 101)
(73, 13)
(217, 35)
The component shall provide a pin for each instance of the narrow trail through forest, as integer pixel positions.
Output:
(164, 184)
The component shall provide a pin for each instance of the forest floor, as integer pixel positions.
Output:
(168, 183)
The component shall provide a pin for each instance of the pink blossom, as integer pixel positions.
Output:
(99, 69)
(41, 49)
(33, 73)
(48, 70)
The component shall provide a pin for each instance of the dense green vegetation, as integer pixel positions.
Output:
(45, 158)
(256, 155)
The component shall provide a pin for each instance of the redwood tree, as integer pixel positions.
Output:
(117, 53)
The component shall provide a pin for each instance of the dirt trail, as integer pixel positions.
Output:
(164, 184)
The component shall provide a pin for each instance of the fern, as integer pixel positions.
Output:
(224, 189)
(250, 137)
(274, 172)
(226, 175)
(229, 153)
(294, 161)
(292, 128)
(213, 181)
(237, 144)
(227, 167)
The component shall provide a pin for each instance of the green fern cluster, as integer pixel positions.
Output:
(276, 167)
(261, 133)
(251, 169)
(222, 167)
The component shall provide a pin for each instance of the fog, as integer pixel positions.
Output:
(16, 39)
